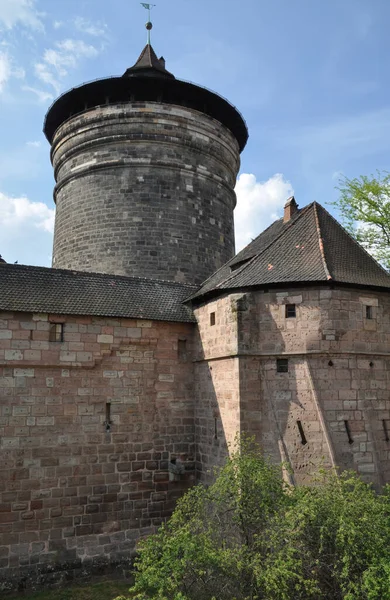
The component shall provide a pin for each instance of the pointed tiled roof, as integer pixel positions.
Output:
(149, 65)
(311, 247)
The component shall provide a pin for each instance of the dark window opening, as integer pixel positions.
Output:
(239, 264)
(212, 318)
(369, 312)
(282, 365)
(56, 333)
(348, 430)
(290, 311)
(302, 433)
(385, 430)
(330, 363)
(215, 428)
(108, 422)
(182, 350)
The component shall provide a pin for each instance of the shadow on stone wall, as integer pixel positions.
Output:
(282, 409)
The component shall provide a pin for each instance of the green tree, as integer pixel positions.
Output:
(335, 543)
(364, 205)
(250, 537)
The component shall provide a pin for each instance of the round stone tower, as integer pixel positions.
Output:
(145, 168)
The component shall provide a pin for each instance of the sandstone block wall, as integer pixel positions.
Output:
(332, 407)
(73, 492)
(144, 189)
(217, 383)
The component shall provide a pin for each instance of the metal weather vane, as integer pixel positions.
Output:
(149, 24)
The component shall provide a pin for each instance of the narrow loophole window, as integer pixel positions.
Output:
(302, 433)
(56, 333)
(291, 312)
(385, 430)
(282, 365)
(348, 430)
(212, 318)
(107, 422)
(182, 350)
(215, 428)
(369, 314)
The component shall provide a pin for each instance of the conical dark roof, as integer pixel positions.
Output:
(149, 65)
(311, 247)
(146, 81)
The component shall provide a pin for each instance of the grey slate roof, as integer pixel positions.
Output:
(42, 290)
(147, 64)
(311, 247)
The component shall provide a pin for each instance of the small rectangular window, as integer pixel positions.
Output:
(282, 365)
(212, 318)
(56, 333)
(290, 311)
(369, 314)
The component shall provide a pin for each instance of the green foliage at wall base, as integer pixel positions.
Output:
(249, 536)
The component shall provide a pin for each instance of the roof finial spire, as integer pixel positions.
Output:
(149, 24)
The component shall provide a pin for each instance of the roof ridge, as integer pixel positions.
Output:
(353, 239)
(253, 241)
(275, 239)
(321, 241)
(95, 273)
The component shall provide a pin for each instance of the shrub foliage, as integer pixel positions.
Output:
(250, 536)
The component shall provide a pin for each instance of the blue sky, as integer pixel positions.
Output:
(309, 76)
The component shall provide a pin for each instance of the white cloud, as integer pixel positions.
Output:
(36, 144)
(90, 28)
(8, 70)
(258, 205)
(57, 61)
(43, 72)
(41, 94)
(21, 212)
(70, 51)
(19, 12)
(26, 230)
(5, 71)
(58, 24)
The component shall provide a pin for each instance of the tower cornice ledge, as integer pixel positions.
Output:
(114, 90)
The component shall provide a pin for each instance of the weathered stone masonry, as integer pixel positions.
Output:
(117, 392)
(97, 432)
(339, 370)
(71, 492)
(144, 189)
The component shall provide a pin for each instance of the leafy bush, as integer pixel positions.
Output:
(250, 536)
